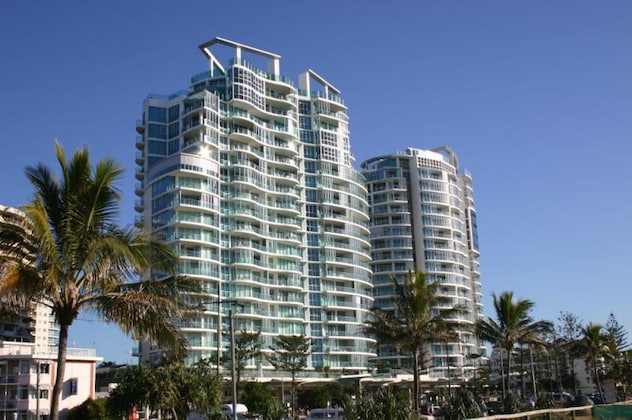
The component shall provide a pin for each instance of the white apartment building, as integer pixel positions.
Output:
(250, 179)
(36, 323)
(423, 219)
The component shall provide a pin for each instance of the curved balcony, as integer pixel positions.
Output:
(140, 142)
(284, 236)
(284, 177)
(139, 174)
(140, 126)
(247, 230)
(139, 189)
(140, 158)
(281, 162)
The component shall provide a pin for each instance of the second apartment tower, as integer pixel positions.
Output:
(250, 179)
(423, 219)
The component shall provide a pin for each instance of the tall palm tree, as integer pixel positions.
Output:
(411, 325)
(514, 325)
(71, 255)
(594, 344)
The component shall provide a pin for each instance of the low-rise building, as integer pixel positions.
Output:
(27, 378)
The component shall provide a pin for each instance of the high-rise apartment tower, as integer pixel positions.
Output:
(36, 324)
(423, 219)
(250, 179)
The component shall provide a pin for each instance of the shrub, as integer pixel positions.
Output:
(88, 410)
(462, 406)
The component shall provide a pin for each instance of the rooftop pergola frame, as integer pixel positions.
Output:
(273, 64)
(274, 60)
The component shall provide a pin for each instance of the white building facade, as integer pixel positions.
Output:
(423, 219)
(250, 179)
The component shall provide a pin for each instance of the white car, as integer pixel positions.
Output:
(325, 413)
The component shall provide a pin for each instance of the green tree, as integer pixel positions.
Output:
(318, 397)
(570, 331)
(385, 403)
(88, 410)
(290, 355)
(256, 396)
(594, 343)
(71, 255)
(513, 325)
(173, 388)
(259, 399)
(195, 388)
(247, 346)
(411, 325)
(619, 367)
(617, 333)
(137, 386)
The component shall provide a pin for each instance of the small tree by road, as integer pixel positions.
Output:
(247, 346)
(570, 331)
(290, 355)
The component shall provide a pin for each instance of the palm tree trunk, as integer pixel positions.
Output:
(61, 369)
(599, 390)
(416, 381)
(509, 370)
(292, 392)
(502, 374)
(521, 350)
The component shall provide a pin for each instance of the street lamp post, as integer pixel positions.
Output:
(37, 390)
(232, 361)
(533, 381)
(231, 321)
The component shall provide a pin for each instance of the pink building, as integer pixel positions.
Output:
(27, 378)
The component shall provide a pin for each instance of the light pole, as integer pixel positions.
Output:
(232, 361)
(37, 390)
(533, 381)
(231, 321)
(447, 358)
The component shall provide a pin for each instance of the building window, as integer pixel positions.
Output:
(73, 386)
(157, 114)
(43, 368)
(174, 113)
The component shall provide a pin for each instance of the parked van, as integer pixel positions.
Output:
(227, 409)
(325, 413)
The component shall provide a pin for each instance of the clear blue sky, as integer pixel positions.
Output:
(534, 96)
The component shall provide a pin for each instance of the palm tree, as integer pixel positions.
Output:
(594, 344)
(514, 325)
(72, 256)
(411, 324)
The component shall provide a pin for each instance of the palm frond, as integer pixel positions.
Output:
(148, 310)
